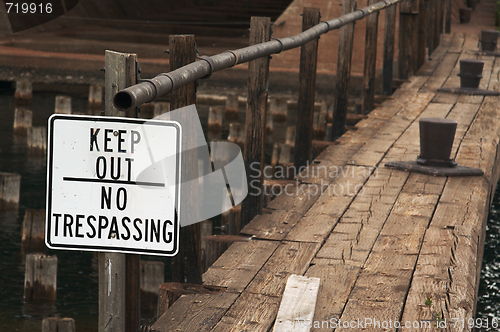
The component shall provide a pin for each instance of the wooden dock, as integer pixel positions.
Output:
(387, 245)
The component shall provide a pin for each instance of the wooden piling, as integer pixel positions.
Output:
(447, 21)
(389, 38)
(40, 280)
(343, 73)
(58, 324)
(23, 119)
(258, 77)
(215, 118)
(237, 134)
(307, 81)
(408, 20)
(206, 230)
(37, 139)
(10, 186)
(431, 31)
(285, 155)
(33, 236)
(119, 294)
(182, 52)
(422, 35)
(232, 108)
(95, 96)
(319, 125)
(24, 91)
(437, 26)
(151, 277)
(370, 65)
(63, 105)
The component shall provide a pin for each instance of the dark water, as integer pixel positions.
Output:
(488, 306)
(77, 286)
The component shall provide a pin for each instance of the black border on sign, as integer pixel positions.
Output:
(48, 243)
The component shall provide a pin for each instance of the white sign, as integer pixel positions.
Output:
(106, 190)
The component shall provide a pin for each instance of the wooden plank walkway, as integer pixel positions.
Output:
(388, 246)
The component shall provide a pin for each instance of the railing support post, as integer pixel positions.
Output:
(186, 265)
(307, 78)
(389, 36)
(255, 126)
(447, 23)
(346, 35)
(408, 21)
(422, 35)
(370, 67)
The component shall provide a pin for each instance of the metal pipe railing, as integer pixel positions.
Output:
(149, 89)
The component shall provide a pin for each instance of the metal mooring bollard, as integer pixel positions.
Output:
(489, 40)
(471, 72)
(436, 142)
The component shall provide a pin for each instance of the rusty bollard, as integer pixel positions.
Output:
(489, 40)
(436, 144)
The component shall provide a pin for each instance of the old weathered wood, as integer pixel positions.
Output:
(438, 22)
(24, 91)
(37, 140)
(119, 301)
(23, 119)
(58, 324)
(343, 73)
(206, 309)
(389, 37)
(406, 56)
(218, 244)
(258, 76)
(232, 108)
(421, 45)
(40, 282)
(10, 187)
(182, 52)
(63, 105)
(170, 292)
(307, 78)
(447, 22)
(370, 64)
(33, 236)
(298, 304)
(95, 96)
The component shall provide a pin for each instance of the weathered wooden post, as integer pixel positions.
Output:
(447, 22)
(119, 294)
(58, 324)
(10, 184)
(408, 20)
(389, 37)
(37, 139)
(370, 68)
(95, 96)
(186, 265)
(438, 22)
(343, 73)
(232, 108)
(63, 105)
(431, 31)
(23, 120)
(160, 107)
(33, 236)
(307, 81)
(24, 91)
(40, 281)
(258, 76)
(422, 35)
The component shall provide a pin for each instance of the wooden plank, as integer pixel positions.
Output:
(307, 78)
(196, 312)
(250, 312)
(390, 286)
(298, 304)
(289, 258)
(336, 284)
(237, 267)
(258, 76)
(372, 315)
(442, 72)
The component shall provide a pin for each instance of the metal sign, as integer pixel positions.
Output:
(106, 190)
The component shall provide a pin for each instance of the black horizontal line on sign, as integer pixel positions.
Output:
(134, 183)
